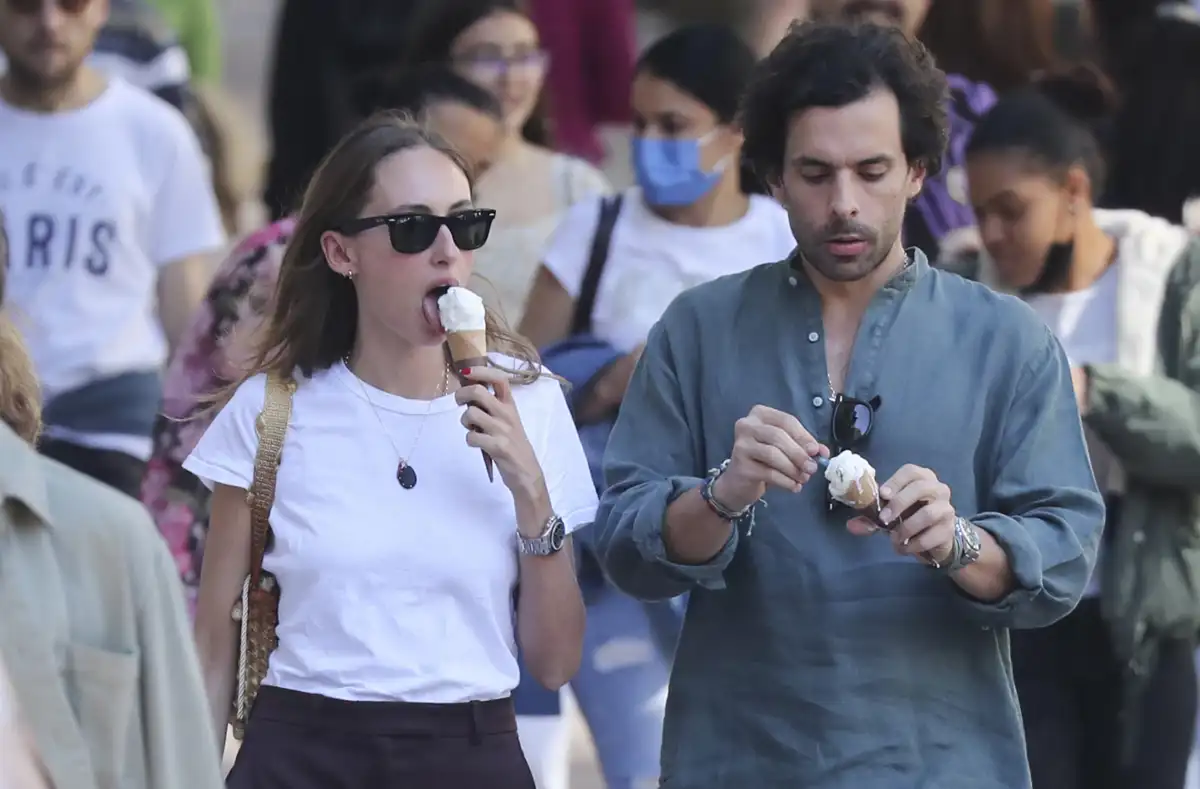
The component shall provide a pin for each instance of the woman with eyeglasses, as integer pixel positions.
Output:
(407, 578)
(495, 44)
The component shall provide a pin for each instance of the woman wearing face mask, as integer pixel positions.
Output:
(495, 44)
(611, 270)
(397, 558)
(1108, 694)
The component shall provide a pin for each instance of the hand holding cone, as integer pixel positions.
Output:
(464, 318)
(852, 482)
(467, 350)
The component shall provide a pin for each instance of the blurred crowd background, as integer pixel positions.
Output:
(268, 86)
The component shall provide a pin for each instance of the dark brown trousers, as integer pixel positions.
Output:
(302, 741)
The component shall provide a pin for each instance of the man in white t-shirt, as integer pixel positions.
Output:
(112, 220)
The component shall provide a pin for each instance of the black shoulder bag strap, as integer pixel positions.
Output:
(610, 208)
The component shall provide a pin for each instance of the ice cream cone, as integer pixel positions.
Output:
(464, 319)
(863, 493)
(468, 349)
(852, 482)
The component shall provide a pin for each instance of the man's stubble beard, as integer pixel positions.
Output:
(835, 271)
(26, 83)
(810, 243)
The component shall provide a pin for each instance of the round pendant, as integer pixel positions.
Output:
(406, 476)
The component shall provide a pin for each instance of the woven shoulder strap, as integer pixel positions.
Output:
(271, 427)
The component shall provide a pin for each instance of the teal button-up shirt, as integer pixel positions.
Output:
(810, 657)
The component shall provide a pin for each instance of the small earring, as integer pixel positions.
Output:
(349, 275)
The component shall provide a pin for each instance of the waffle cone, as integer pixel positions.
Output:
(467, 345)
(863, 494)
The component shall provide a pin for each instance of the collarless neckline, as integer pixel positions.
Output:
(387, 401)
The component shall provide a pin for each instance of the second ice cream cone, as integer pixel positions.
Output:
(863, 493)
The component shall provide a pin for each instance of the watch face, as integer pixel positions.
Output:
(558, 535)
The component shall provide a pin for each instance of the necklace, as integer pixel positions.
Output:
(406, 475)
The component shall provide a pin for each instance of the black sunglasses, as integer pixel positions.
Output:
(414, 233)
(852, 420)
(851, 424)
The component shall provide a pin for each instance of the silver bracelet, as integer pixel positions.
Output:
(721, 510)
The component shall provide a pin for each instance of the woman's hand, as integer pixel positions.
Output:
(494, 425)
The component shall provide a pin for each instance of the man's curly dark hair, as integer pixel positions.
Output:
(833, 65)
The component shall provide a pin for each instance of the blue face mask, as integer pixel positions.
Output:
(669, 171)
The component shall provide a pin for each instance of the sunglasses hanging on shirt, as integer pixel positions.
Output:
(850, 426)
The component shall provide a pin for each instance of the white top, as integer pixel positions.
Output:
(96, 201)
(506, 265)
(1085, 323)
(390, 594)
(651, 261)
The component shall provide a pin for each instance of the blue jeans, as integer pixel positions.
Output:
(622, 681)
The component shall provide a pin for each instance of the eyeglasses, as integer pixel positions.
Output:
(36, 6)
(495, 64)
(411, 234)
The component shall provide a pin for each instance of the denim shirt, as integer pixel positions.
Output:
(811, 657)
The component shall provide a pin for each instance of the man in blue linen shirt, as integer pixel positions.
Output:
(819, 651)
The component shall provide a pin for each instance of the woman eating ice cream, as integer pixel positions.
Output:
(398, 562)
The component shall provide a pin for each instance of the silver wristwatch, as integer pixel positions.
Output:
(550, 541)
(966, 546)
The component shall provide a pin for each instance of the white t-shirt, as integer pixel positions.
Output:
(1085, 323)
(651, 261)
(390, 594)
(96, 201)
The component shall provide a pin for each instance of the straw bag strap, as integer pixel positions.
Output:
(271, 427)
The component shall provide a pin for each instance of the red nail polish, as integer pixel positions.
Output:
(466, 371)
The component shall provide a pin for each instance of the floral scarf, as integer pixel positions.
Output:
(176, 499)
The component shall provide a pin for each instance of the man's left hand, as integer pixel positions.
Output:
(929, 529)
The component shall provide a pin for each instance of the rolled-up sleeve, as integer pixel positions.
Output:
(653, 458)
(1043, 506)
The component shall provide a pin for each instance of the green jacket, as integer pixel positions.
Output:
(1146, 408)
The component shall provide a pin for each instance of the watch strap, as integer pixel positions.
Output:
(544, 543)
(966, 546)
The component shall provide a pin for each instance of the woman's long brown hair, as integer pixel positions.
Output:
(314, 314)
